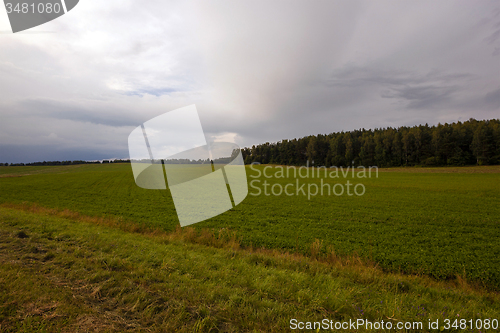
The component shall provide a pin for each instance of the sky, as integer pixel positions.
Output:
(257, 71)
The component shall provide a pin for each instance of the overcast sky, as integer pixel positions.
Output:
(258, 71)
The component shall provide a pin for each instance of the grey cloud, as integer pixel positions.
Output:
(151, 91)
(419, 91)
(56, 109)
(493, 99)
(493, 37)
(353, 76)
(422, 97)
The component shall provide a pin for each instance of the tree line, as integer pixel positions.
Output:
(461, 143)
(64, 163)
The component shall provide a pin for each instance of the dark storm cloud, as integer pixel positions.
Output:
(257, 70)
(392, 64)
(35, 153)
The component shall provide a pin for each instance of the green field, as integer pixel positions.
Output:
(440, 222)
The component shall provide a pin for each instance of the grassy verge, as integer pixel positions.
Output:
(78, 274)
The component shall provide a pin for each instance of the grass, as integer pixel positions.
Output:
(35, 170)
(61, 271)
(439, 222)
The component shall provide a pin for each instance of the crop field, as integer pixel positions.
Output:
(440, 222)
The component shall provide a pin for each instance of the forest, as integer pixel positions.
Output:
(473, 142)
